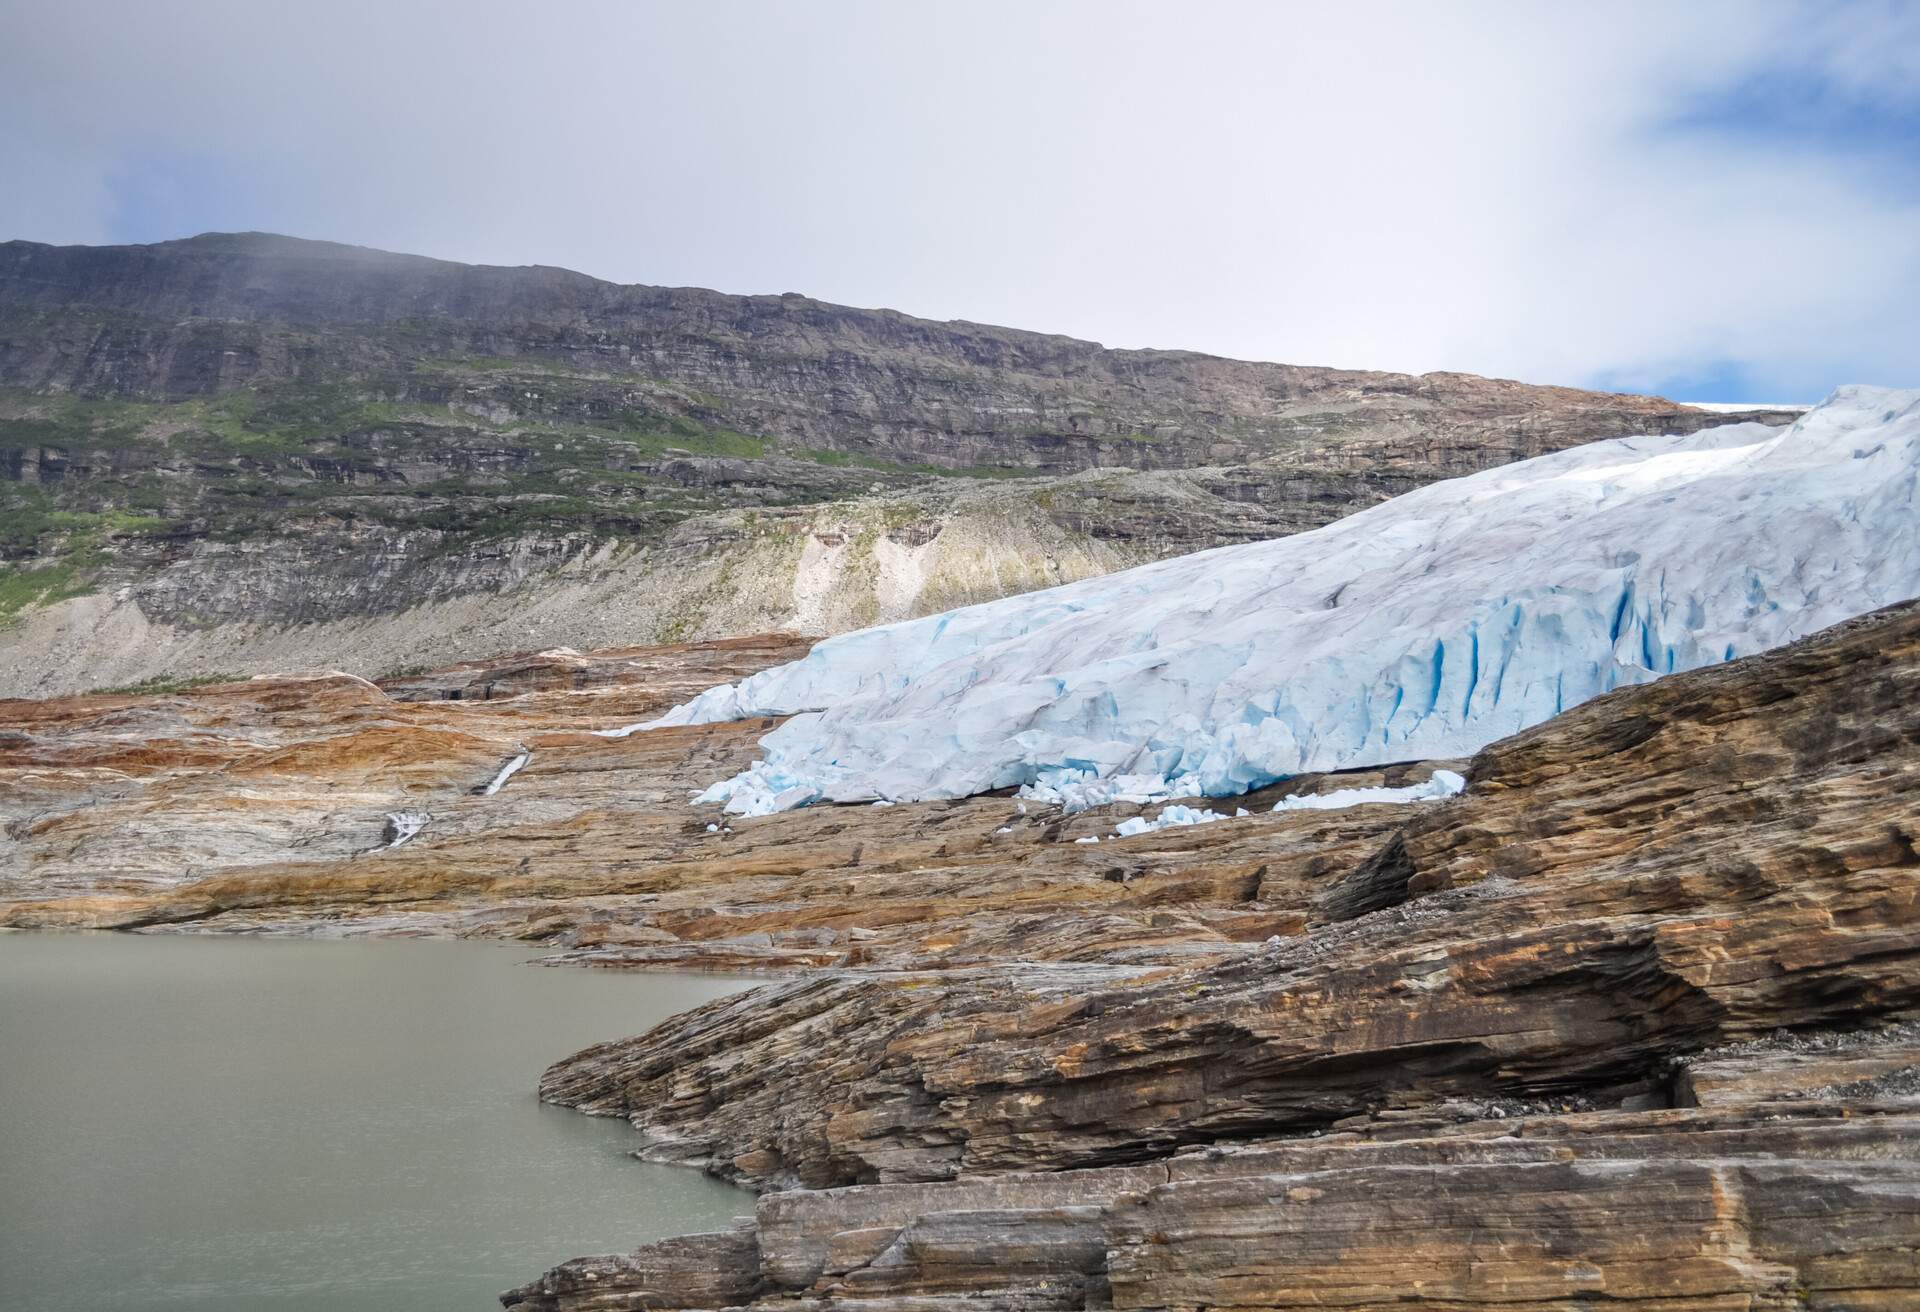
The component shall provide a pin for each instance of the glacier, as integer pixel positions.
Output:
(1424, 627)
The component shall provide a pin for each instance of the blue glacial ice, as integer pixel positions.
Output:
(1425, 627)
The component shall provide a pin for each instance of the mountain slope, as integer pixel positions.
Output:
(242, 449)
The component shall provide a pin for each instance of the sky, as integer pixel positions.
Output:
(1713, 201)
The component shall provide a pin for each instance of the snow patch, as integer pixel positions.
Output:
(1078, 789)
(1444, 783)
(507, 771)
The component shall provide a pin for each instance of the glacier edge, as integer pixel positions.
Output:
(1424, 627)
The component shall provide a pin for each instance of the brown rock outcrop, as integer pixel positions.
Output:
(1787, 1205)
(1630, 1020)
(1692, 863)
(263, 805)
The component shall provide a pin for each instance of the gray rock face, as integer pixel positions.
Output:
(243, 431)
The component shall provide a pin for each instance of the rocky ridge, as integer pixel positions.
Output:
(242, 451)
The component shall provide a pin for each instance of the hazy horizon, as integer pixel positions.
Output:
(1716, 202)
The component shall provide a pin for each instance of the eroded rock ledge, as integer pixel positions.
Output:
(1782, 1205)
(1629, 1021)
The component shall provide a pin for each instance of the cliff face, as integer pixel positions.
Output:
(241, 450)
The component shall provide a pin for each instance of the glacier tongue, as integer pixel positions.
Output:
(1425, 627)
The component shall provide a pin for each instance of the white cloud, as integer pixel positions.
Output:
(1489, 187)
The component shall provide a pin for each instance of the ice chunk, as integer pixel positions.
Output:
(1425, 627)
(1444, 783)
(1171, 817)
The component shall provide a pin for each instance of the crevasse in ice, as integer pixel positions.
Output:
(1424, 627)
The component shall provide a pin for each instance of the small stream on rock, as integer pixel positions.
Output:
(222, 1124)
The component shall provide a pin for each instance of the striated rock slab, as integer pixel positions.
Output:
(1694, 863)
(721, 1269)
(1700, 1209)
(1536, 1236)
(1883, 1064)
(265, 805)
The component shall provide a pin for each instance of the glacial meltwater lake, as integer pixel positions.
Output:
(252, 1125)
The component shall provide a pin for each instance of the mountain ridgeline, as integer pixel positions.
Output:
(243, 450)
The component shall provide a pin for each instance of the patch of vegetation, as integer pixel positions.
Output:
(161, 684)
(281, 422)
(482, 363)
(74, 422)
(857, 460)
(403, 672)
(652, 435)
(22, 586)
(33, 523)
(510, 446)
